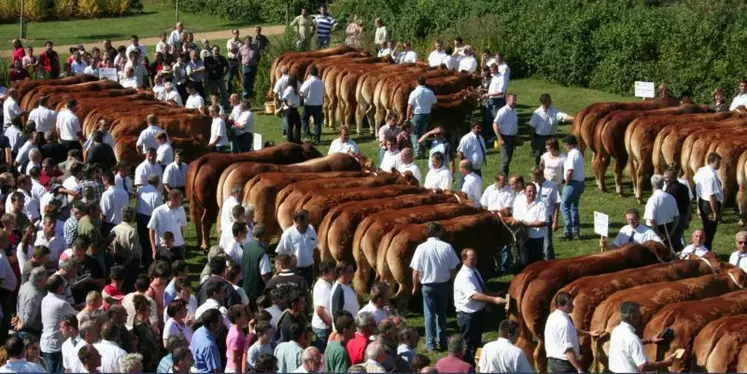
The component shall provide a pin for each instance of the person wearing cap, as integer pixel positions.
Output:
(574, 187)
(419, 105)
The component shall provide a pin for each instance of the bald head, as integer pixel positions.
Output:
(465, 167)
(742, 241)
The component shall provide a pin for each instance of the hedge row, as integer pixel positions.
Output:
(694, 45)
(44, 10)
(247, 11)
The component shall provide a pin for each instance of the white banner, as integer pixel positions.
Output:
(108, 73)
(601, 224)
(645, 89)
(257, 142)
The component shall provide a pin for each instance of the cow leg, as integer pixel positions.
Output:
(598, 168)
(207, 224)
(540, 358)
(618, 170)
(633, 166)
(403, 296)
(525, 343)
(196, 211)
(372, 122)
(360, 112)
(741, 203)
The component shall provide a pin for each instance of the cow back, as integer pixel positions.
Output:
(717, 345)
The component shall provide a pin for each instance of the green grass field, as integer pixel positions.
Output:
(155, 18)
(568, 99)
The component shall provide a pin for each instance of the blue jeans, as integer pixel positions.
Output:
(419, 127)
(233, 70)
(314, 111)
(506, 258)
(435, 299)
(322, 42)
(321, 338)
(569, 203)
(53, 361)
(248, 73)
(470, 326)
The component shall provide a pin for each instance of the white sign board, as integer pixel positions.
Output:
(601, 224)
(108, 73)
(645, 89)
(257, 142)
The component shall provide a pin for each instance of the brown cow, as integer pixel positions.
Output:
(295, 195)
(369, 243)
(261, 191)
(640, 138)
(608, 141)
(652, 297)
(686, 319)
(589, 292)
(204, 172)
(286, 58)
(532, 290)
(483, 232)
(34, 94)
(26, 86)
(742, 363)
(717, 347)
(336, 231)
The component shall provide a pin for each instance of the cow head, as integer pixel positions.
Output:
(738, 276)
(660, 251)
(366, 164)
(310, 151)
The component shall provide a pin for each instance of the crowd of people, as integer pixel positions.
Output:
(90, 284)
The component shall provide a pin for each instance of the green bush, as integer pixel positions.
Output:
(693, 45)
(247, 11)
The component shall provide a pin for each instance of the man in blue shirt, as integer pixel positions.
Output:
(203, 345)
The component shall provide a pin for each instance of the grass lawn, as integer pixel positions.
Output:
(155, 18)
(568, 99)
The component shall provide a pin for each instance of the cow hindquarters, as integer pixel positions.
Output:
(618, 170)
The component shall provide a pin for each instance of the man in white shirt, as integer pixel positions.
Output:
(626, 352)
(545, 122)
(419, 105)
(710, 195)
(175, 173)
(378, 302)
(170, 94)
(436, 57)
(164, 152)
(77, 66)
(739, 257)
(407, 56)
(506, 127)
(495, 97)
(112, 202)
(147, 138)
(54, 309)
(531, 212)
(472, 147)
(312, 91)
(450, 61)
(109, 348)
(633, 232)
(128, 79)
(550, 195)
(470, 297)
(218, 135)
(433, 264)
(381, 34)
(561, 337)
(172, 218)
(321, 318)
(468, 63)
(301, 241)
(11, 109)
(235, 249)
(472, 185)
(148, 199)
(194, 100)
(661, 213)
(574, 187)
(407, 164)
(226, 209)
(498, 196)
(68, 126)
(147, 168)
(16, 358)
(43, 117)
(243, 127)
(741, 98)
(342, 295)
(343, 144)
(501, 355)
(439, 176)
(696, 246)
(175, 38)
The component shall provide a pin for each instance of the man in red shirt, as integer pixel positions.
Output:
(50, 173)
(356, 347)
(453, 363)
(50, 61)
(18, 51)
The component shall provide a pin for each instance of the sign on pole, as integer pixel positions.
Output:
(601, 224)
(108, 73)
(257, 142)
(645, 89)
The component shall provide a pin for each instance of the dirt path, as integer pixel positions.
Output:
(210, 35)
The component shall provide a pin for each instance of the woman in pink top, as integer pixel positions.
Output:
(236, 339)
(160, 272)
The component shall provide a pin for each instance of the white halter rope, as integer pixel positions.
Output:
(506, 225)
(708, 263)
(733, 279)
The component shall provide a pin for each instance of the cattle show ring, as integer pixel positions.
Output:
(376, 219)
